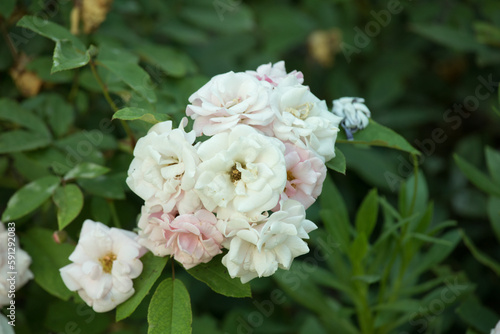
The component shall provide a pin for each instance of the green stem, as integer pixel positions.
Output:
(415, 184)
(113, 106)
(114, 215)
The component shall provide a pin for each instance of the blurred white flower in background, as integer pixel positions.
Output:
(19, 260)
(105, 261)
(496, 330)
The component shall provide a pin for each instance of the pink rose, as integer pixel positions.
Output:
(305, 175)
(193, 238)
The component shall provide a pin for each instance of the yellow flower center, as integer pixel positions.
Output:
(107, 262)
(234, 174)
(302, 111)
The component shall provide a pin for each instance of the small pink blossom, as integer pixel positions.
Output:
(305, 175)
(151, 225)
(275, 73)
(193, 238)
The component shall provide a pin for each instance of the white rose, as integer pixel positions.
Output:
(275, 73)
(227, 100)
(259, 250)
(241, 170)
(22, 263)
(496, 330)
(303, 119)
(354, 112)
(105, 261)
(164, 165)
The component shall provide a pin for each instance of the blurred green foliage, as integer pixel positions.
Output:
(427, 69)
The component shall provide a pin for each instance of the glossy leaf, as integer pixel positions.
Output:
(67, 57)
(86, 170)
(378, 135)
(215, 275)
(132, 113)
(30, 197)
(152, 269)
(69, 202)
(47, 258)
(170, 309)
(338, 163)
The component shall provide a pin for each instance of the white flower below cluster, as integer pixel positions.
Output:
(164, 165)
(355, 114)
(227, 100)
(258, 251)
(242, 170)
(12, 255)
(105, 261)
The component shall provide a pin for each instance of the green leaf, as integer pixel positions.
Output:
(132, 113)
(358, 248)
(67, 57)
(487, 33)
(368, 279)
(366, 217)
(69, 202)
(338, 163)
(48, 257)
(493, 208)
(13, 112)
(447, 36)
(473, 313)
(378, 135)
(170, 309)
(479, 179)
(428, 238)
(493, 162)
(480, 256)
(152, 268)
(219, 16)
(215, 275)
(86, 170)
(30, 197)
(50, 30)
(134, 76)
(21, 140)
(169, 59)
(108, 186)
(7, 7)
(334, 214)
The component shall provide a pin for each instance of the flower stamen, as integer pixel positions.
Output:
(107, 262)
(302, 111)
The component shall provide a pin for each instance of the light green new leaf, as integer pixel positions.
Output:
(170, 309)
(152, 268)
(30, 197)
(134, 76)
(215, 275)
(132, 113)
(378, 135)
(366, 217)
(69, 202)
(479, 179)
(338, 163)
(48, 257)
(493, 162)
(480, 256)
(86, 170)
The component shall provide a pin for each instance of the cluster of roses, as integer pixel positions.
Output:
(245, 188)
